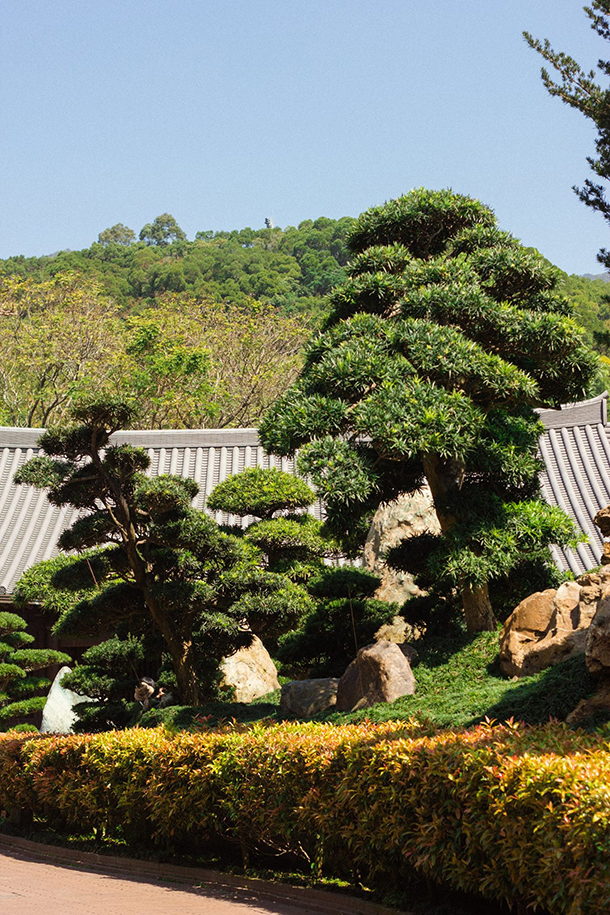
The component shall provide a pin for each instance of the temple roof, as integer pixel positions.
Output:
(30, 526)
(575, 449)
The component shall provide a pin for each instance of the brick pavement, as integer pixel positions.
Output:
(30, 887)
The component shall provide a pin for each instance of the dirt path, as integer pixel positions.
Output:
(30, 887)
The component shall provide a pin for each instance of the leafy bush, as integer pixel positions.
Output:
(514, 814)
(18, 665)
(261, 493)
(345, 618)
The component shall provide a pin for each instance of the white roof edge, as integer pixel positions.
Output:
(22, 437)
(586, 413)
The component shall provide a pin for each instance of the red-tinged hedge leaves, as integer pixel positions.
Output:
(521, 814)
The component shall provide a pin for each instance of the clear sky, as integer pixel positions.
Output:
(224, 112)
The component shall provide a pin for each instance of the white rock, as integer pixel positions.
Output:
(58, 714)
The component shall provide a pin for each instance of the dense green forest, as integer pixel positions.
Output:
(202, 333)
(291, 268)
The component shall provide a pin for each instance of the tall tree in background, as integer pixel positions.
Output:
(185, 362)
(580, 90)
(164, 230)
(434, 355)
(58, 341)
(117, 235)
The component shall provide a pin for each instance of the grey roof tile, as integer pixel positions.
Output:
(30, 526)
(575, 449)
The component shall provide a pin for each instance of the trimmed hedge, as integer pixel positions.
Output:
(514, 813)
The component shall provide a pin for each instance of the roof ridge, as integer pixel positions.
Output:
(584, 413)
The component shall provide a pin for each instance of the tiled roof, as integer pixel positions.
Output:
(575, 449)
(30, 526)
(576, 452)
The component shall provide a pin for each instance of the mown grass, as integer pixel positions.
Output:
(458, 684)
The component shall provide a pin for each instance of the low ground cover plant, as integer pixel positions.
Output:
(459, 683)
(510, 812)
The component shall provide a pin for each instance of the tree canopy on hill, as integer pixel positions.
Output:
(291, 268)
(182, 362)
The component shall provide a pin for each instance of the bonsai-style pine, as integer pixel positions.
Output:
(19, 664)
(292, 542)
(435, 353)
(158, 567)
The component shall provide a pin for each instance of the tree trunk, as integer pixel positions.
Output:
(181, 651)
(186, 675)
(477, 609)
(445, 478)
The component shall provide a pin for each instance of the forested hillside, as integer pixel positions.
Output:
(292, 268)
(202, 333)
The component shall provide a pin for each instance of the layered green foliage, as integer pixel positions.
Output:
(436, 351)
(160, 569)
(20, 684)
(510, 813)
(107, 675)
(261, 493)
(345, 618)
(292, 542)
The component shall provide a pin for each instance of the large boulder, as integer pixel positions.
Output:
(597, 657)
(551, 626)
(545, 628)
(306, 698)
(250, 672)
(379, 673)
(597, 648)
(407, 516)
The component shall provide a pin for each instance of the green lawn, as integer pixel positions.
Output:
(458, 683)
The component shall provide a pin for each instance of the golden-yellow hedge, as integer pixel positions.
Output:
(514, 813)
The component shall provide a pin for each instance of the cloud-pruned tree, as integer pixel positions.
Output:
(437, 350)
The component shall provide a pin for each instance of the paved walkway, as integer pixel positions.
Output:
(30, 887)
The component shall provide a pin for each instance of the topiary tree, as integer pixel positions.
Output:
(158, 563)
(19, 684)
(436, 351)
(107, 674)
(346, 617)
(291, 541)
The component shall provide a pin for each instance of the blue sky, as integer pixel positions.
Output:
(224, 112)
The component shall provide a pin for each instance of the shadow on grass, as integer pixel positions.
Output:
(551, 694)
(209, 715)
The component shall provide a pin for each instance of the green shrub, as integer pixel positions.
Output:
(20, 687)
(261, 493)
(513, 813)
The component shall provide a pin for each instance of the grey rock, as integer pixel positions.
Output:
(306, 698)
(407, 516)
(379, 673)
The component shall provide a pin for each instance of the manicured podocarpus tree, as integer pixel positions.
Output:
(157, 562)
(20, 684)
(435, 353)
